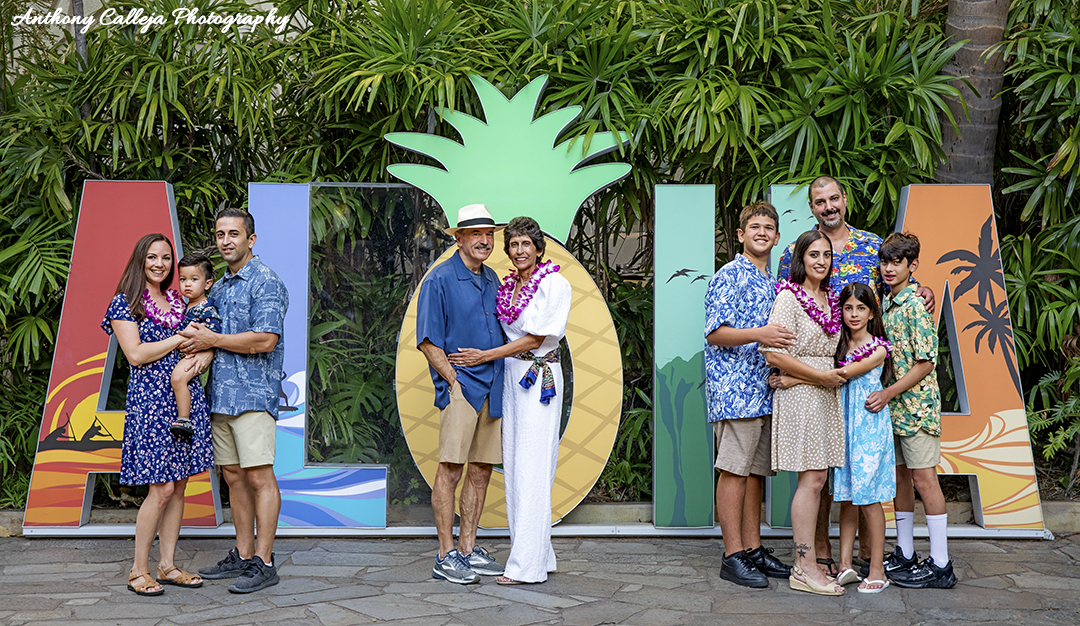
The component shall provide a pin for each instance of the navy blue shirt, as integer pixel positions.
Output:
(252, 299)
(453, 313)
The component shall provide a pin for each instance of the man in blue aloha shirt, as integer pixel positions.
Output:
(855, 260)
(245, 386)
(737, 306)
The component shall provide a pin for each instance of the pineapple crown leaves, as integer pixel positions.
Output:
(510, 162)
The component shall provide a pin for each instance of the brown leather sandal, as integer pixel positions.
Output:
(182, 578)
(141, 588)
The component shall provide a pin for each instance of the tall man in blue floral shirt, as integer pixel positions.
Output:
(245, 386)
(737, 306)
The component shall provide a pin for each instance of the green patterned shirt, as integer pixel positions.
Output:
(914, 338)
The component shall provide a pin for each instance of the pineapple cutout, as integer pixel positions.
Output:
(511, 164)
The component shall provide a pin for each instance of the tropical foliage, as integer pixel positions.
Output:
(735, 93)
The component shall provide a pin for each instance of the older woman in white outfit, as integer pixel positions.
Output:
(533, 306)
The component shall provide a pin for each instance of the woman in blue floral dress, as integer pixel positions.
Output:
(144, 315)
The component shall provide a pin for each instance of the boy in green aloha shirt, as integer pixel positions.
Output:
(915, 407)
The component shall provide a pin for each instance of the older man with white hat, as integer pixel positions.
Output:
(456, 309)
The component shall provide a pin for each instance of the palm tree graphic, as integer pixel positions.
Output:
(994, 325)
(983, 269)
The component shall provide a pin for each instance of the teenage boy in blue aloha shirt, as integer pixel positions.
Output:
(737, 307)
(915, 408)
(855, 260)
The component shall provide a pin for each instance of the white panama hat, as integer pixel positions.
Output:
(473, 216)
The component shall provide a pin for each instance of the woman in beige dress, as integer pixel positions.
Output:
(808, 423)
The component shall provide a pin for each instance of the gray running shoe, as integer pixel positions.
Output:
(482, 563)
(258, 575)
(454, 568)
(229, 567)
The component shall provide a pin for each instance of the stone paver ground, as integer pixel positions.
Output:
(647, 582)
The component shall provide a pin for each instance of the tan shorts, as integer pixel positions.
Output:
(744, 446)
(246, 440)
(918, 451)
(468, 435)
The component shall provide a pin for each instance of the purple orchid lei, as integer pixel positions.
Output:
(866, 350)
(505, 308)
(831, 323)
(170, 319)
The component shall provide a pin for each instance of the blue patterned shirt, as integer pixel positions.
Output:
(204, 313)
(253, 299)
(736, 379)
(857, 263)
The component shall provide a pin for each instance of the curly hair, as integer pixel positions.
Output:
(525, 226)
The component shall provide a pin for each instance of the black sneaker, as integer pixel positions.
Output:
(229, 567)
(181, 427)
(739, 569)
(258, 575)
(768, 564)
(926, 575)
(894, 562)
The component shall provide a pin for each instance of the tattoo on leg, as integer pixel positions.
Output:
(802, 549)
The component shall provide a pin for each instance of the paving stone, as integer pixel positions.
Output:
(970, 614)
(621, 568)
(992, 582)
(241, 609)
(887, 601)
(666, 582)
(618, 547)
(603, 612)
(391, 607)
(514, 594)
(779, 601)
(292, 586)
(334, 615)
(30, 616)
(1061, 570)
(509, 615)
(464, 601)
(417, 571)
(919, 599)
(657, 617)
(292, 616)
(159, 607)
(365, 546)
(574, 585)
(319, 571)
(983, 567)
(82, 601)
(104, 622)
(678, 600)
(1043, 582)
(22, 602)
(349, 558)
(966, 546)
(349, 592)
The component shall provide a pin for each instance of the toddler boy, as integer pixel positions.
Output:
(196, 276)
(915, 406)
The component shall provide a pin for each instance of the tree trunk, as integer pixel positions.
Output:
(970, 156)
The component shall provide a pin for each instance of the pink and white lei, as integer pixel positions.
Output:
(170, 319)
(866, 350)
(505, 308)
(829, 323)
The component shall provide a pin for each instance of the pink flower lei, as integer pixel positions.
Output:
(866, 350)
(170, 319)
(505, 308)
(831, 323)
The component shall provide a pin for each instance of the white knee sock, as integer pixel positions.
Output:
(905, 532)
(939, 540)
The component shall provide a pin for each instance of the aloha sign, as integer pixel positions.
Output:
(511, 162)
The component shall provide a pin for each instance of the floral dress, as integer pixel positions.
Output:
(869, 476)
(151, 454)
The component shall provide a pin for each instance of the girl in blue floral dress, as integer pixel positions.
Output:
(868, 476)
(144, 315)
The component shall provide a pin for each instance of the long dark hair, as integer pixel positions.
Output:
(798, 266)
(876, 326)
(133, 280)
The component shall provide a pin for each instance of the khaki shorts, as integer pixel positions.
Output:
(744, 446)
(467, 435)
(246, 440)
(918, 451)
